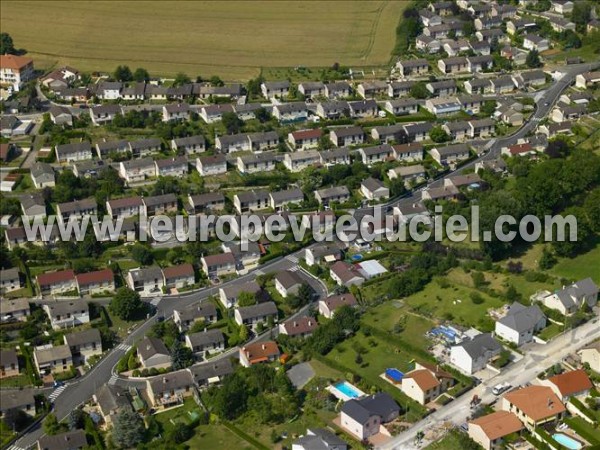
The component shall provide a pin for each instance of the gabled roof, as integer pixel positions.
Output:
(537, 402)
(337, 301)
(82, 337)
(192, 312)
(206, 337)
(181, 270)
(171, 381)
(288, 279)
(498, 424)
(260, 351)
(50, 354)
(480, 344)
(97, 276)
(52, 278)
(300, 325)
(522, 318)
(361, 410)
(151, 346)
(78, 205)
(573, 382)
(70, 440)
(218, 368)
(259, 310)
(16, 398)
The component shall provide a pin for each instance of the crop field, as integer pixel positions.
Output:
(232, 39)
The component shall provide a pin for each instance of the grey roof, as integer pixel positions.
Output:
(160, 199)
(363, 104)
(347, 131)
(403, 85)
(171, 381)
(458, 125)
(106, 109)
(171, 162)
(41, 168)
(234, 290)
(150, 346)
(249, 196)
(192, 312)
(57, 110)
(109, 146)
(145, 143)
(452, 149)
(111, 398)
(277, 84)
(228, 139)
(380, 404)
(372, 184)
(337, 86)
(291, 107)
(378, 150)
(414, 62)
(288, 279)
(334, 153)
(78, 205)
(212, 369)
(444, 84)
(212, 160)
(71, 440)
(287, 195)
(522, 318)
(415, 128)
(206, 337)
(209, 197)
(63, 308)
(138, 163)
(52, 354)
(66, 149)
(258, 158)
(83, 337)
(335, 191)
(16, 398)
(264, 136)
(146, 273)
(480, 344)
(577, 290)
(31, 200)
(259, 310)
(8, 358)
(177, 107)
(320, 439)
(189, 140)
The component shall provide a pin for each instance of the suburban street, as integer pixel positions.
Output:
(78, 392)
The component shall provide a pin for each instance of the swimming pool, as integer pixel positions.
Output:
(356, 257)
(394, 375)
(566, 441)
(345, 391)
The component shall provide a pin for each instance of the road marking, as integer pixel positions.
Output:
(258, 272)
(124, 347)
(15, 447)
(294, 269)
(56, 393)
(292, 258)
(113, 379)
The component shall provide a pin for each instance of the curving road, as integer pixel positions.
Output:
(81, 390)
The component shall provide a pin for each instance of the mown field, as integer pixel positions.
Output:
(232, 39)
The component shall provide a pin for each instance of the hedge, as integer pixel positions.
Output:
(583, 408)
(582, 428)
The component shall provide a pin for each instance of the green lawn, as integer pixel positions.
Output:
(15, 382)
(216, 436)
(550, 331)
(580, 267)
(586, 430)
(449, 442)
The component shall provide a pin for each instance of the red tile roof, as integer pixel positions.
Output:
(14, 62)
(573, 382)
(498, 424)
(48, 279)
(307, 134)
(98, 276)
(260, 351)
(182, 270)
(520, 148)
(536, 402)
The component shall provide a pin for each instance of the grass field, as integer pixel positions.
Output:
(231, 39)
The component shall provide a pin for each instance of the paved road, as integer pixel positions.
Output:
(81, 390)
(537, 358)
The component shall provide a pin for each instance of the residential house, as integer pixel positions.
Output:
(59, 282)
(480, 47)
(495, 165)
(59, 115)
(233, 143)
(96, 282)
(218, 265)
(346, 136)
(588, 79)
(305, 139)
(189, 145)
(22, 400)
(111, 400)
(147, 281)
(574, 383)
(109, 90)
(112, 148)
(179, 276)
(261, 162)
(137, 169)
(249, 201)
(479, 63)
(570, 299)
(442, 106)
(400, 88)
(460, 181)
(122, 208)
(159, 204)
(426, 383)
(66, 314)
(371, 89)
(363, 108)
(319, 438)
(290, 112)
(515, 26)
(339, 89)
(492, 35)
(260, 142)
(338, 194)
(15, 237)
(312, 89)
(388, 133)
(103, 114)
(490, 430)
(88, 169)
(487, 23)
(134, 92)
(445, 88)
(363, 417)
(453, 65)
(373, 189)
(9, 363)
(481, 128)
(14, 310)
(33, 205)
(153, 353)
(176, 111)
(185, 318)
(213, 113)
(417, 132)
(211, 373)
(145, 147)
(205, 342)
(280, 199)
(525, 149)
(10, 280)
(288, 283)
(335, 156)
(427, 44)
(560, 24)
(535, 42)
(205, 91)
(333, 109)
(473, 355)
(211, 165)
(562, 6)
(378, 153)
(565, 113)
(413, 67)
(329, 305)
(69, 440)
(259, 352)
(49, 359)
(408, 173)
(252, 315)
(429, 18)
(170, 389)
(298, 327)
(228, 295)
(479, 86)
(450, 154)
(79, 94)
(42, 175)
(503, 84)
(402, 107)
(441, 193)
(211, 201)
(322, 253)
(84, 344)
(79, 151)
(273, 89)
(172, 167)
(591, 355)
(531, 78)
(15, 71)
(520, 323)
(534, 405)
(457, 130)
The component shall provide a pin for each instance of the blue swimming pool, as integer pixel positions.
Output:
(347, 389)
(394, 374)
(566, 441)
(356, 257)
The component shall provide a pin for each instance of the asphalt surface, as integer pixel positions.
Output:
(81, 390)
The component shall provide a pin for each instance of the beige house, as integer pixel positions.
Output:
(49, 359)
(574, 383)
(426, 383)
(489, 431)
(9, 363)
(153, 353)
(591, 355)
(534, 405)
(84, 344)
(171, 388)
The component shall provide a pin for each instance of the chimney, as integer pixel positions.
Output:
(295, 324)
(309, 323)
(264, 347)
(164, 380)
(205, 329)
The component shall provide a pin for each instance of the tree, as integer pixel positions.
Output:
(438, 134)
(489, 107)
(181, 357)
(581, 15)
(51, 425)
(232, 123)
(244, 333)
(126, 304)
(533, 59)
(478, 279)
(246, 299)
(262, 115)
(76, 419)
(216, 81)
(123, 73)
(547, 260)
(142, 254)
(468, 28)
(6, 44)
(397, 187)
(15, 419)
(128, 429)
(305, 294)
(419, 90)
(181, 79)
(511, 294)
(180, 433)
(558, 148)
(141, 75)
(570, 39)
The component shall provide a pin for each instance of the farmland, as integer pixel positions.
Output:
(234, 40)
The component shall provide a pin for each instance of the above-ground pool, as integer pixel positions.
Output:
(356, 257)
(394, 375)
(345, 391)
(566, 441)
